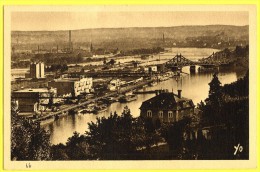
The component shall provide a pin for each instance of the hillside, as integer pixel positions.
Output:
(216, 36)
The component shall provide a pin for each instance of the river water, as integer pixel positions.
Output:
(194, 87)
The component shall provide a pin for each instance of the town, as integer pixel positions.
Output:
(48, 93)
(68, 81)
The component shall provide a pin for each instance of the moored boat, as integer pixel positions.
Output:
(128, 98)
(153, 84)
(99, 109)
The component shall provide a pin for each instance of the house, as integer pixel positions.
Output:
(167, 107)
(33, 100)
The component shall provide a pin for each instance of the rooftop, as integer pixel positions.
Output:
(66, 79)
(33, 90)
(69, 79)
(167, 101)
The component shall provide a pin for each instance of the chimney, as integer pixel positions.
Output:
(70, 40)
(163, 38)
(179, 93)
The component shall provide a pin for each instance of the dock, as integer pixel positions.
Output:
(82, 104)
(145, 92)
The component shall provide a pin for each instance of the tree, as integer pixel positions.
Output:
(112, 62)
(229, 120)
(76, 148)
(28, 140)
(173, 133)
(214, 101)
(118, 137)
(215, 87)
(105, 61)
(58, 152)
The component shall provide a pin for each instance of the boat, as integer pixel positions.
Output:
(112, 99)
(99, 109)
(107, 100)
(83, 111)
(163, 78)
(144, 57)
(128, 98)
(56, 117)
(153, 84)
(89, 109)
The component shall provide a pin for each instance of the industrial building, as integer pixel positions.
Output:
(72, 87)
(37, 71)
(33, 100)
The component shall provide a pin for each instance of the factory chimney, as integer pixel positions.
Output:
(70, 47)
(163, 38)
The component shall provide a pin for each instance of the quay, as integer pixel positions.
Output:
(146, 92)
(66, 109)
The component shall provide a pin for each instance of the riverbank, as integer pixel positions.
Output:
(66, 108)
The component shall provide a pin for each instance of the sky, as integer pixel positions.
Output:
(36, 21)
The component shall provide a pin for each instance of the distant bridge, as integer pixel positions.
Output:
(179, 61)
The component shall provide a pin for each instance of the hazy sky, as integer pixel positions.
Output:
(32, 21)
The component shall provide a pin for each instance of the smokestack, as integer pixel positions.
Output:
(69, 39)
(179, 93)
(38, 49)
(57, 48)
(163, 38)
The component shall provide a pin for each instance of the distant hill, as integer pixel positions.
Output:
(214, 36)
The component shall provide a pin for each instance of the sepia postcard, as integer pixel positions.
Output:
(130, 87)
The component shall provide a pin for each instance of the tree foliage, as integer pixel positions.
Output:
(28, 140)
(119, 137)
(226, 111)
(76, 148)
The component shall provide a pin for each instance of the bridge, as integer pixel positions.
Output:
(179, 61)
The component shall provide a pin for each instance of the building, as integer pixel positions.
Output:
(161, 67)
(151, 69)
(37, 70)
(155, 68)
(114, 84)
(167, 107)
(136, 64)
(72, 87)
(33, 100)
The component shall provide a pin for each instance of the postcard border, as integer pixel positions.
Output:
(137, 165)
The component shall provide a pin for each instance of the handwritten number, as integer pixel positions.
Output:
(28, 165)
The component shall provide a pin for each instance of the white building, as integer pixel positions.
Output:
(37, 70)
(150, 69)
(72, 86)
(114, 84)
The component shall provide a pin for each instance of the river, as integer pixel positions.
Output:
(194, 87)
